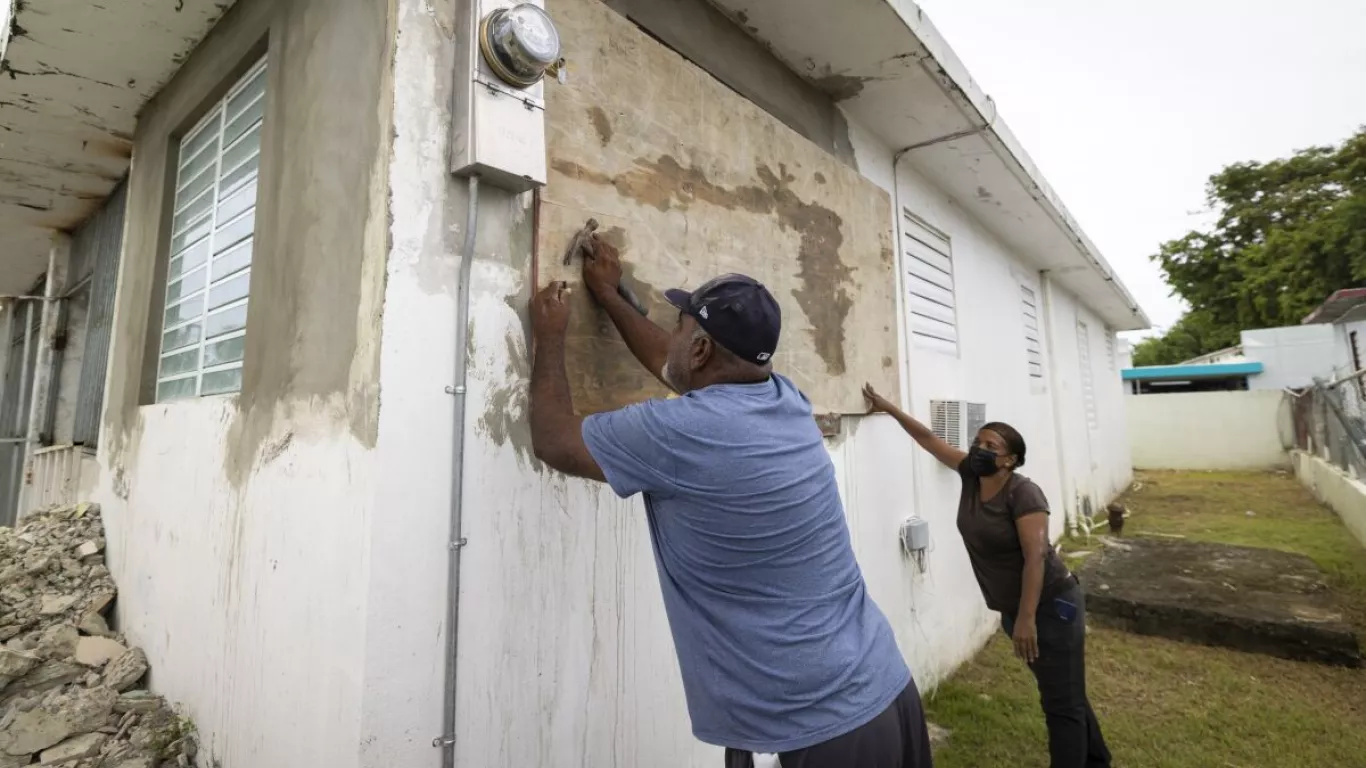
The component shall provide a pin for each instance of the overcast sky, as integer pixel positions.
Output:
(1128, 107)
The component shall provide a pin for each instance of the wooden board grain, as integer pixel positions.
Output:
(691, 180)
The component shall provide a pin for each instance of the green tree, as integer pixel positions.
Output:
(1288, 233)
(1191, 336)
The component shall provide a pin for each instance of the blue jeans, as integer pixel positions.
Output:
(1074, 738)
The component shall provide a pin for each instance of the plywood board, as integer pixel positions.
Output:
(691, 181)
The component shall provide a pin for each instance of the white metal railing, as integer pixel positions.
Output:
(53, 477)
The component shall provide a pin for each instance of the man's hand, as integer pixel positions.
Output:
(550, 311)
(1026, 639)
(601, 269)
(876, 403)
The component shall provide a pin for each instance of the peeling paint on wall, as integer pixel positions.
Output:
(824, 294)
(841, 87)
(601, 123)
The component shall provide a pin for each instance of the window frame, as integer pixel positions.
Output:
(229, 203)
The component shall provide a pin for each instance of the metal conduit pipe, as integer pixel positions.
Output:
(899, 214)
(456, 540)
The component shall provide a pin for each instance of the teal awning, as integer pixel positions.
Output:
(1187, 372)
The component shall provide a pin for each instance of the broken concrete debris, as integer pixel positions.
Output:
(69, 692)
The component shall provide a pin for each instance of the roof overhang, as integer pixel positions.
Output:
(1192, 372)
(890, 69)
(1227, 352)
(73, 78)
(1345, 306)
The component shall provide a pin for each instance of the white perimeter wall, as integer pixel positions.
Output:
(1209, 430)
(1345, 494)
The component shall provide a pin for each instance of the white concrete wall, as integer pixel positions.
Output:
(991, 366)
(298, 605)
(249, 600)
(1293, 356)
(1247, 430)
(1342, 343)
(1096, 455)
(1345, 494)
(239, 527)
(564, 650)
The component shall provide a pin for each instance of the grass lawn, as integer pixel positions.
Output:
(1173, 705)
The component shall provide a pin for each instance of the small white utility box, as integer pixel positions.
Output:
(915, 535)
(498, 126)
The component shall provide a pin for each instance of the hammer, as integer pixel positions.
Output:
(580, 242)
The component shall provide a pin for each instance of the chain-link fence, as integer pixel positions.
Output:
(1330, 421)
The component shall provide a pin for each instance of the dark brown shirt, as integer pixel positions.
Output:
(993, 543)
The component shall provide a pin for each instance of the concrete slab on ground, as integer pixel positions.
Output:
(1255, 600)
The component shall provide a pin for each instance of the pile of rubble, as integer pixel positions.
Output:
(69, 692)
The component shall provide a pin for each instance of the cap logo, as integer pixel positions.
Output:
(702, 313)
(762, 356)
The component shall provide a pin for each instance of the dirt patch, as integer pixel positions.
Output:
(1255, 600)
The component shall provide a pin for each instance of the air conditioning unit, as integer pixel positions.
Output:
(957, 421)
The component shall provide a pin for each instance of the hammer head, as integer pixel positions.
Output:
(580, 240)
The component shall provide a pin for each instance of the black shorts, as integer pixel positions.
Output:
(897, 738)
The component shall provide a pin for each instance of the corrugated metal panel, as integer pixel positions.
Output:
(100, 241)
(14, 410)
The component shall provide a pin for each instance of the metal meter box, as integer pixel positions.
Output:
(497, 128)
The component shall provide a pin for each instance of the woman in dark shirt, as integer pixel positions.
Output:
(1003, 518)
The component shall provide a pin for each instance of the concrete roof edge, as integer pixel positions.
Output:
(996, 129)
(6, 25)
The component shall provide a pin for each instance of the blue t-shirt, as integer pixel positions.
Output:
(780, 646)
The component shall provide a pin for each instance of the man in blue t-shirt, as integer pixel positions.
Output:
(780, 647)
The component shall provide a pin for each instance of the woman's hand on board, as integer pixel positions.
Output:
(876, 403)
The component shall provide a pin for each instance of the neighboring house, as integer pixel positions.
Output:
(1330, 343)
(280, 367)
(1345, 310)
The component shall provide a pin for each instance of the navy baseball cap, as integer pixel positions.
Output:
(738, 312)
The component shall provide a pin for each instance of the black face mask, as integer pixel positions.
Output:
(981, 462)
